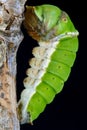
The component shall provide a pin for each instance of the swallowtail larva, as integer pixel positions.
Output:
(53, 58)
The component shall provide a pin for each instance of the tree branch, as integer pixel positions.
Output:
(11, 17)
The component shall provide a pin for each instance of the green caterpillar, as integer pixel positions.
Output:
(53, 58)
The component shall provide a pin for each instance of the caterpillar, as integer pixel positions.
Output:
(52, 61)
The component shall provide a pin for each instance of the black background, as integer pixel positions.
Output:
(68, 110)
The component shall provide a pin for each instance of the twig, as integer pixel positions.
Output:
(11, 17)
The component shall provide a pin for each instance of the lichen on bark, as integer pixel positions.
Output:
(11, 17)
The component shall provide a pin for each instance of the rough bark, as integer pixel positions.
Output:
(8, 115)
(11, 17)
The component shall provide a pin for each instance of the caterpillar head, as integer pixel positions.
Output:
(47, 21)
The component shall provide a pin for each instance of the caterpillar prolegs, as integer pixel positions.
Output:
(53, 58)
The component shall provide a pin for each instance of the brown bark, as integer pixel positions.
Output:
(8, 114)
(11, 17)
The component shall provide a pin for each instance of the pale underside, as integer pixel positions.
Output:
(39, 64)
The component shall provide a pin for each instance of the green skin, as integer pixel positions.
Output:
(53, 80)
(54, 19)
(62, 59)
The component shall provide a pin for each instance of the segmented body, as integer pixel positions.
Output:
(47, 74)
(52, 61)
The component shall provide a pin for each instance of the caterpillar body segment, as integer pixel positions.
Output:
(53, 59)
